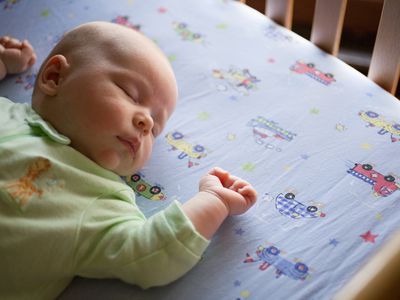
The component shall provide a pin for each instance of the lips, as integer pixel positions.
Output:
(132, 144)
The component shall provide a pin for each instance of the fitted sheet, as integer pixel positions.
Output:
(317, 139)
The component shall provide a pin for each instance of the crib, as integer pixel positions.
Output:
(318, 140)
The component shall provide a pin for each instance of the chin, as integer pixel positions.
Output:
(127, 172)
(124, 172)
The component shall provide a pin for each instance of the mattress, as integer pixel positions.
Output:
(318, 140)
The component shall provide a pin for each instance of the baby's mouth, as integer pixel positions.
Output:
(131, 144)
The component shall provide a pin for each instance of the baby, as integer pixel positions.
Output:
(15, 57)
(101, 97)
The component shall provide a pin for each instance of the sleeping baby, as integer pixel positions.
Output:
(101, 97)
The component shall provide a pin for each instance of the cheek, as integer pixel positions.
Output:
(107, 116)
(146, 152)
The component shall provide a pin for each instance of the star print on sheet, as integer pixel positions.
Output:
(249, 167)
(45, 13)
(369, 237)
(239, 231)
(333, 242)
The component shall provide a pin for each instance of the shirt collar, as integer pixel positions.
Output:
(34, 120)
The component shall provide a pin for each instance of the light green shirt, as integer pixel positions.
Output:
(63, 215)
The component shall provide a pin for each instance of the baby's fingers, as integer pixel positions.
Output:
(238, 184)
(225, 178)
(249, 193)
(9, 42)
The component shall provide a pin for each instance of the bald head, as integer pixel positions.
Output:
(100, 38)
(97, 42)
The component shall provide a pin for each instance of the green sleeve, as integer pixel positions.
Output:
(144, 252)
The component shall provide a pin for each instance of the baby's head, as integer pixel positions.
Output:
(110, 90)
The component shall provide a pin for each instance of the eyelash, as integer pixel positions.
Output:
(126, 93)
(153, 131)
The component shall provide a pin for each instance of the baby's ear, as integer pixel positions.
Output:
(52, 74)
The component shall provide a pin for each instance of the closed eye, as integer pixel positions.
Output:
(126, 93)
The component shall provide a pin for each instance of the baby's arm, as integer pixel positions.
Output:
(117, 240)
(220, 195)
(15, 56)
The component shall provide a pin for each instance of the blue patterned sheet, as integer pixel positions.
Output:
(318, 140)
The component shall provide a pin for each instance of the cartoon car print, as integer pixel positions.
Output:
(373, 119)
(287, 206)
(182, 30)
(270, 256)
(240, 80)
(175, 139)
(124, 20)
(310, 70)
(263, 128)
(145, 189)
(382, 185)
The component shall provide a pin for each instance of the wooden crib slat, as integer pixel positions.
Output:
(385, 63)
(281, 11)
(328, 24)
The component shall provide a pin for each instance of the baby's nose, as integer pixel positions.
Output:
(143, 122)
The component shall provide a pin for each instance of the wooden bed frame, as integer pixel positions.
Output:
(327, 28)
(379, 278)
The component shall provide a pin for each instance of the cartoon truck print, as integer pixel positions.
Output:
(187, 150)
(287, 206)
(182, 30)
(264, 128)
(241, 80)
(382, 185)
(144, 188)
(309, 69)
(270, 256)
(373, 119)
(175, 139)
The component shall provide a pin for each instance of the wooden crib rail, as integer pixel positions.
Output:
(385, 63)
(328, 24)
(327, 28)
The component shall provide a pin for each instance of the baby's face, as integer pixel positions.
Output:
(117, 106)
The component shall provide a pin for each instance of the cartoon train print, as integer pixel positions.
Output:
(270, 256)
(373, 119)
(240, 80)
(287, 206)
(309, 69)
(144, 188)
(187, 150)
(182, 30)
(124, 20)
(382, 185)
(264, 128)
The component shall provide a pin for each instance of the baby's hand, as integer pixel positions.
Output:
(15, 55)
(237, 194)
